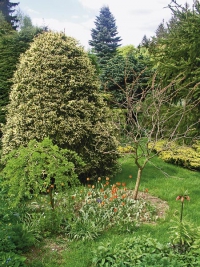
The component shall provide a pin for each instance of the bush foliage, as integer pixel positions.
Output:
(185, 156)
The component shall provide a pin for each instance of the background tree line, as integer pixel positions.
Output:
(16, 34)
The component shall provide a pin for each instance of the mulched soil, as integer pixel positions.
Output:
(160, 205)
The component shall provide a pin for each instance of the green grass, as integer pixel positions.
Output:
(166, 181)
(163, 180)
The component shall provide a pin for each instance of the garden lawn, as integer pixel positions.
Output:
(166, 181)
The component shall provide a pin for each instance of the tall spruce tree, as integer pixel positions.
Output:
(145, 42)
(104, 37)
(7, 63)
(161, 30)
(8, 8)
(55, 95)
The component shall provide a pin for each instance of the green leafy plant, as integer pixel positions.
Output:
(141, 251)
(184, 234)
(134, 251)
(39, 219)
(13, 237)
(12, 259)
(38, 168)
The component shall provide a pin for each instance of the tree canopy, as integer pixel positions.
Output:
(104, 37)
(37, 167)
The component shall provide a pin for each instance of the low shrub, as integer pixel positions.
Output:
(142, 251)
(14, 238)
(185, 156)
(11, 259)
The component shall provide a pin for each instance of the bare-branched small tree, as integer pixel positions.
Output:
(153, 114)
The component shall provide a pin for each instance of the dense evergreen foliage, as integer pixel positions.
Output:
(125, 75)
(8, 8)
(175, 52)
(176, 49)
(5, 27)
(55, 94)
(12, 44)
(104, 37)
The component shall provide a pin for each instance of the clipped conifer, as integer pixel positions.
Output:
(55, 95)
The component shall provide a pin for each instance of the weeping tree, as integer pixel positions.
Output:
(40, 167)
(55, 95)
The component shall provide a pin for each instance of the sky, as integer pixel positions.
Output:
(134, 18)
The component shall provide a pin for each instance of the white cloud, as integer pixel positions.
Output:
(75, 17)
(95, 4)
(31, 11)
(79, 31)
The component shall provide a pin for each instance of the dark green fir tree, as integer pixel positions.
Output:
(104, 37)
(8, 8)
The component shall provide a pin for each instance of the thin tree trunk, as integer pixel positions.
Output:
(139, 174)
(51, 197)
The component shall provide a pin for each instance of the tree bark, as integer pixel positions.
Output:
(139, 174)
